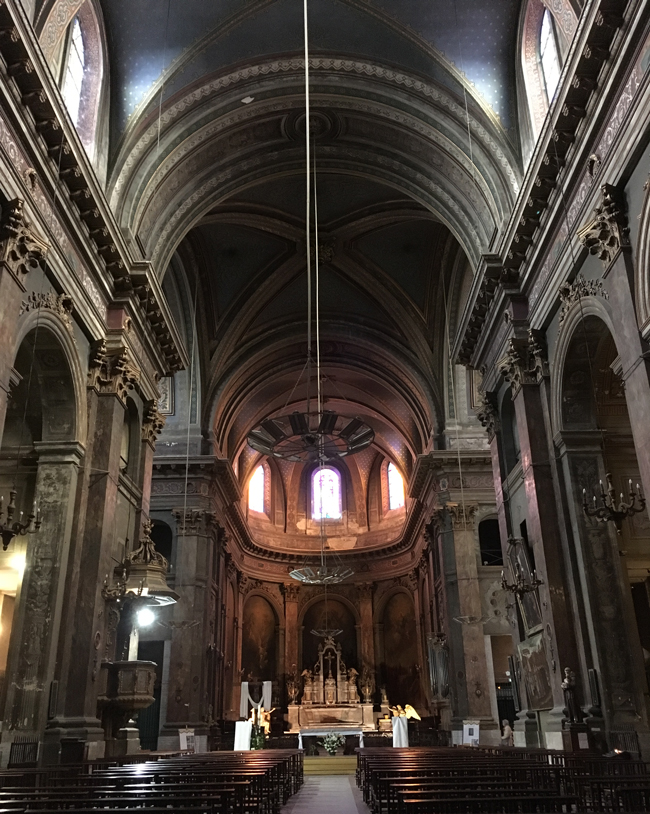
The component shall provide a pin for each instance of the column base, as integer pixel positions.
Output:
(63, 736)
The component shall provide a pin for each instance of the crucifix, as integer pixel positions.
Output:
(329, 658)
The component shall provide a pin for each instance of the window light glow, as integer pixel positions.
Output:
(256, 490)
(326, 495)
(549, 56)
(395, 488)
(74, 72)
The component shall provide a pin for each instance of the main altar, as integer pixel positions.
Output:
(330, 696)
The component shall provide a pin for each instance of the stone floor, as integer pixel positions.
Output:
(327, 795)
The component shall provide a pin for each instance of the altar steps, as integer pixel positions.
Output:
(326, 765)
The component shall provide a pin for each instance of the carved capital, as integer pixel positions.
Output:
(21, 250)
(488, 414)
(152, 423)
(193, 521)
(112, 375)
(608, 231)
(463, 518)
(60, 304)
(571, 293)
(291, 591)
(526, 361)
(365, 590)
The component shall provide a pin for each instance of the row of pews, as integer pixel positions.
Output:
(213, 783)
(463, 780)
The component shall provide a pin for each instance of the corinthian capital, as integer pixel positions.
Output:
(21, 250)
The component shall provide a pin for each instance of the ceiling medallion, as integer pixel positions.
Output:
(311, 438)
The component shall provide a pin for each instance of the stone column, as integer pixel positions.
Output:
(187, 703)
(91, 557)
(291, 592)
(609, 620)
(367, 654)
(526, 368)
(464, 605)
(35, 635)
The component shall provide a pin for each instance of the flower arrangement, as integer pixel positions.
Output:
(331, 743)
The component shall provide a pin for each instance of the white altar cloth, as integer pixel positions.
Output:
(320, 733)
(243, 731)
(400, 732)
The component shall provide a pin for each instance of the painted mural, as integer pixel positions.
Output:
(399, 673)
(259, 641)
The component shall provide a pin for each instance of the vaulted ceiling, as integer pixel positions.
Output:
(417, 170)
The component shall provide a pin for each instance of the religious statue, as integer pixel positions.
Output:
(293, 687)
(330, 691)
(366, 685)
(308, 688)
(572, 712)
(353, 695)
(404, 712)
(384, 696)
(264, 719)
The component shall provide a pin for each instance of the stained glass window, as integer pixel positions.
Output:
(549, 55)
(326, 495)
(256, 490)
(395, 488)
(74, 72)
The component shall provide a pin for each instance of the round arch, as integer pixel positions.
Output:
(47, 321)
(586, 307)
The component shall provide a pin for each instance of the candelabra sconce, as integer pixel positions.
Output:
(608, 511)
(11, 528)
(520, 586)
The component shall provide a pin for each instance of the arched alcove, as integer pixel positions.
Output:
(329, 614)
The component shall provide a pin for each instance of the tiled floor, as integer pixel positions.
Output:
(327, 795)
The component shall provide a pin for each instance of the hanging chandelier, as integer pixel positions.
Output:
(321, 575)
(609, 511)
(310, 438)
(11, 528)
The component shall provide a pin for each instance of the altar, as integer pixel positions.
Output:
(330, 697)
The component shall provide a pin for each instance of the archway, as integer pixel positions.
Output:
(39, 456)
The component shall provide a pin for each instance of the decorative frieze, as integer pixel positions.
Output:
(571, 293)
(60, 304)
(194, 521)
(111, 375)
(21, 250)
(608, 231)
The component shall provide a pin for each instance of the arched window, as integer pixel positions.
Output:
(75, 63)
(395, 488)
(256, 490)
(326, 495)
(549, 55)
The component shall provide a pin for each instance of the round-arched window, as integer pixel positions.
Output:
(326, 494)
(395, 488)
(256, 490)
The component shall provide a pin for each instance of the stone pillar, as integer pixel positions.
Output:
(38, 617)
(467, 645)
(603, 581)
(291, 592)
(91, 558)
(526, 368)
(187, 703)
(367, 653)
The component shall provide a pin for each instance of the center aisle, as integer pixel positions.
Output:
(327, 794)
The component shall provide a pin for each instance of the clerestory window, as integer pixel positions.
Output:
(75, 65)
(549, 55)
(326, 495)
(395, 488)
(256, 490)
